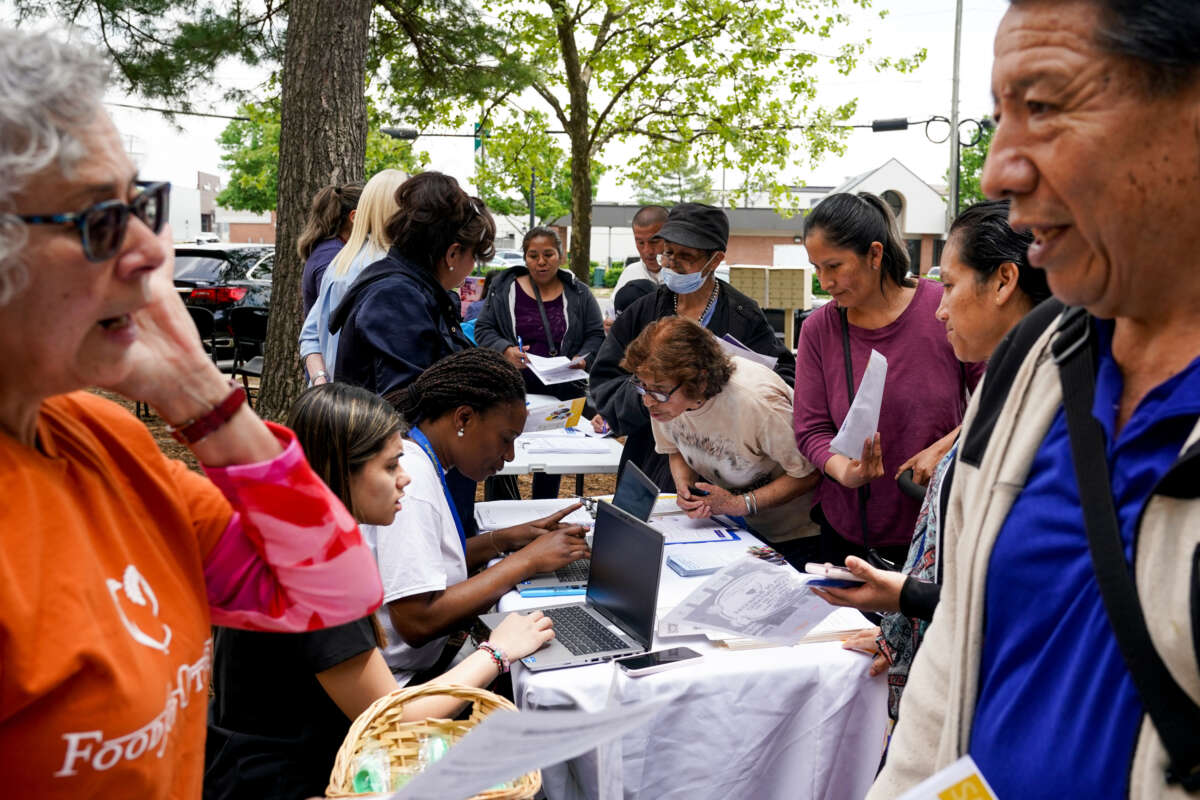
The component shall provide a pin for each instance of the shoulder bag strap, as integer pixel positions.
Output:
(864, 492)
(537, 295)
(1175, 716)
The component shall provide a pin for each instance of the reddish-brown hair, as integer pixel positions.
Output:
(678, 350)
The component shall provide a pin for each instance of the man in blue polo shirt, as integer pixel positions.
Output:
(1097, 146)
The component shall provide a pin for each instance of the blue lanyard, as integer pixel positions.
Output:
(422, 441)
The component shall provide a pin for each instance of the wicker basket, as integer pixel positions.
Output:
(381, 723)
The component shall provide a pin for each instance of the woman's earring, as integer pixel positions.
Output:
(460, 433)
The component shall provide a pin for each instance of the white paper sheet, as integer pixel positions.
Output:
(564, 442)
(506, 745)
(754, 598)
(863, 420)
(498, 514)
(733, 347)
(678, 529)
(554, 370)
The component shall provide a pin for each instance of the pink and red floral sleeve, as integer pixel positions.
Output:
(292, 558)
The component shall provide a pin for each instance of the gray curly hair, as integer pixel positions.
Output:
(48, 90)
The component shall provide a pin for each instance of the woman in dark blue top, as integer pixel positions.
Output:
(399, 317)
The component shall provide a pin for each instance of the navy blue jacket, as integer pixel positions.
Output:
(396, 321)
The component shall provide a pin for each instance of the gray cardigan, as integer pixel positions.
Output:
(496, 326)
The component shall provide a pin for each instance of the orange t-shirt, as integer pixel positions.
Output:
(105, 650)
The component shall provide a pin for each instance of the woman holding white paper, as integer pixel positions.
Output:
(989, 287)
(854, 244)
(540, 309)
(465, 411)
(725, 424)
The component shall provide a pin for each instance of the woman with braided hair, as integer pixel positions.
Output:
(465, 412)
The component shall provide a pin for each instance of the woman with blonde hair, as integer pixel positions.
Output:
(368, 242)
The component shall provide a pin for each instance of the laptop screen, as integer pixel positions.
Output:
(627, 557)
(636, 493)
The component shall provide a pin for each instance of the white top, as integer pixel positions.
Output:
(419, 552)
(741, 438)
(636, 271)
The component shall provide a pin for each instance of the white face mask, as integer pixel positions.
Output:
(686, 283)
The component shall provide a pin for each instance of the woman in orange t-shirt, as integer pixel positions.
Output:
(115, 561)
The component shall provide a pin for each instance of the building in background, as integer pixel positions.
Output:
(209, 186)
(245, 226)
(758, 234)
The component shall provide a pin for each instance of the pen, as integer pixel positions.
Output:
(521, 348)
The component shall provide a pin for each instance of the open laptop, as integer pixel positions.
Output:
(617, 616)
(636, 495)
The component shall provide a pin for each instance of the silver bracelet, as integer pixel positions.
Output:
(320, 374)
(746, 497)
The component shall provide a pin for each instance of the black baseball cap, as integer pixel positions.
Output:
(696, 225)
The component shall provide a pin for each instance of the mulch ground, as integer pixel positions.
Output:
(593, 484)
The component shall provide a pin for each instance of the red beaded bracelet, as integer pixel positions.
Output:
(196, 429)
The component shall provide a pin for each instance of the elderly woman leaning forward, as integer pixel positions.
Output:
(116, 560)
(725, 424)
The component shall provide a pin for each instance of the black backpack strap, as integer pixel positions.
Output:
(864, 492)
(1175, 716)
(1001, 372)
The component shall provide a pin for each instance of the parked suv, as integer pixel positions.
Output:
(221, 276)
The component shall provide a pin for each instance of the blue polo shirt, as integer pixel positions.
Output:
(1057, 714)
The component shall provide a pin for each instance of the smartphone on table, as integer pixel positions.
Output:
(832, 577)
(658, 661)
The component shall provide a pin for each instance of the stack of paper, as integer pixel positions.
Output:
(564, 443)
(554, 370)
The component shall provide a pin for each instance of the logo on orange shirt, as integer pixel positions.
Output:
(137, 606)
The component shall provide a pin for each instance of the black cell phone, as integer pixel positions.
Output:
(649, 663)
(697, 492)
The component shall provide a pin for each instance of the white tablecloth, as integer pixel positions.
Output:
(786, 722)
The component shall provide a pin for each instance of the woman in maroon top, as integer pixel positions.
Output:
(512, 322)
(854, 244)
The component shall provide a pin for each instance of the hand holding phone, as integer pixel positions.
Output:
(832, 577)
(696, 492)
(658, 661)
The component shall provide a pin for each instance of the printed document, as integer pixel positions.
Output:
(750, 597)
(509, 744)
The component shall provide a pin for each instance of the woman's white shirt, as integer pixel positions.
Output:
(419, 552)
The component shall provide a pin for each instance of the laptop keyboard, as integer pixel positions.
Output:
(575, 572)
(579, 631)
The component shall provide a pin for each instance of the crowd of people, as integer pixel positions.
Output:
(1036, 609)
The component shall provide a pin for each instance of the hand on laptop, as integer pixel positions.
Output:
(554, 549)
(518, 635)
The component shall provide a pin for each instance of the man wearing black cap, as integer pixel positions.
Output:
(694, 239)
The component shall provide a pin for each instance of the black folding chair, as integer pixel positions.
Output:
(249, 324)
(206, 326)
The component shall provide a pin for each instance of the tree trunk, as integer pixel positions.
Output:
(581, 207)
(322, 140)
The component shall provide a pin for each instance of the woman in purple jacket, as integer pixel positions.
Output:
(854, 244)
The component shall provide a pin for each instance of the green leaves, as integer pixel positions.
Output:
(971, 168)
(251, 154)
